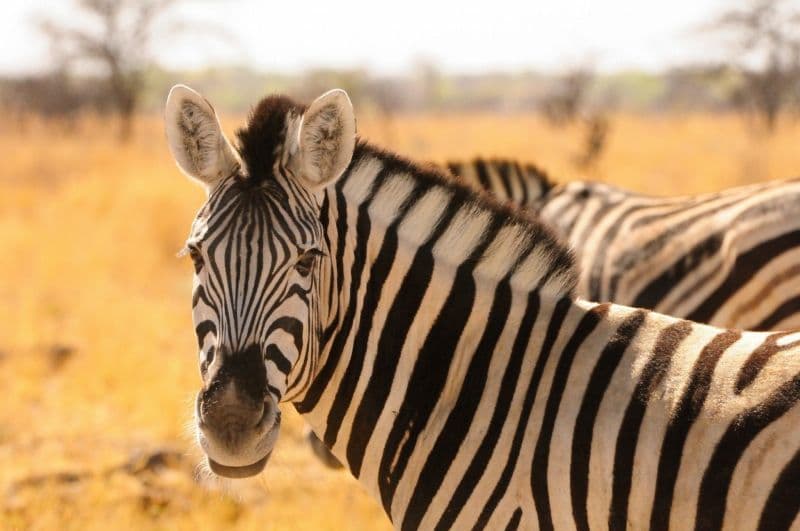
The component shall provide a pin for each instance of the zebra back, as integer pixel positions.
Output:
(728, 258)
(725, 258)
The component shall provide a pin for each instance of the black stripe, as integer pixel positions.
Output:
(237, 267)
(341, 233)
(255, 227)
(275, 355)
(430, 371)
(757, 360)
(730, 449)
(341, 238)
(746, 265)
(377, 277)
(689, 407)
(325, 374)
(596, 272)
(787, 308)
(504, 180)
(590, 405)
(202, 329)
(653, 373)
(524, 183)
(515, 520)
(390, 345)
(783, 503)
(483, 174)
(226, 278)
(541, 454)
(665, 283)
(554, 326)
(694, 203)
(455, 169)
(495, 426)
(362, 231)
(461, 417)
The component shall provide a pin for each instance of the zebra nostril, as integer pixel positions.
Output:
(233, 419)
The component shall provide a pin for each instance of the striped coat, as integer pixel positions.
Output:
(728, 258)
(433, 339)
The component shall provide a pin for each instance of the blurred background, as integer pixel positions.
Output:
(97, 353)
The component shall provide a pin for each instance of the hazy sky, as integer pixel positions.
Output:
(389, 37)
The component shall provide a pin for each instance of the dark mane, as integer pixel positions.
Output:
(536, 172)
(260, 141)
(528, 170)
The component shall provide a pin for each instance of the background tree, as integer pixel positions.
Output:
(114, 40)
(766, 42)
(565, 102)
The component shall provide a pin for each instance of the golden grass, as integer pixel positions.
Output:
(97, 354)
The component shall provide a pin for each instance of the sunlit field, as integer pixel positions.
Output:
(97, 352)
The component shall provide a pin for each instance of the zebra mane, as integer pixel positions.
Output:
(529, 170)
(524, 249)
(261, 141)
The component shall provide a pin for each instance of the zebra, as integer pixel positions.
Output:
(728, 258)
(432, 337)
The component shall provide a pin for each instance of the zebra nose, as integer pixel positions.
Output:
(238, 416)
(233, 424)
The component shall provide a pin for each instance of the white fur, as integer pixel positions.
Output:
(361, 180)
(503, 252)
(420, 221)
(390, 197)
(462, 235)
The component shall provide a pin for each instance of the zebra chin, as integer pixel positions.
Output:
(238, 472)
(234, 445)
(242, 462)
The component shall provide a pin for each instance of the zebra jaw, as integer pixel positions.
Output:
(238, 472)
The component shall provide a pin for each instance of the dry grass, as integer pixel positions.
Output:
(97, 354)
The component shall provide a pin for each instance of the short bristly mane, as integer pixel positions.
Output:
(530, 169)
(522, 249)
(260, 142)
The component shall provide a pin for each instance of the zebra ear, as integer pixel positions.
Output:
(326, 139)
(196, 139)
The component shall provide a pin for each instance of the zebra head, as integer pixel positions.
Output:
(260, 260)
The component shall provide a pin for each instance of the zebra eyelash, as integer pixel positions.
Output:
(306, 260)
(190, 251)
(313, 252)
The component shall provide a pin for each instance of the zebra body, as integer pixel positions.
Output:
(434, 342)
(728, 258)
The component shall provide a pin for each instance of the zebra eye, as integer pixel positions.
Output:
(196, 257)
(306, 261)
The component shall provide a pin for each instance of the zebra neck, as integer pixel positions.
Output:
(442, 374)
(388, 221)
(431, 286)
(384, 198)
